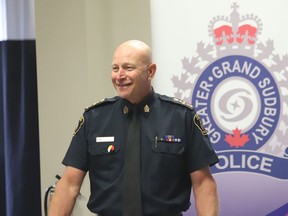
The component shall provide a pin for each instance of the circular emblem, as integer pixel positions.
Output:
(240, 101)
(238, 86)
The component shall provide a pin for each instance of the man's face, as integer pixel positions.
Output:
(130, 75)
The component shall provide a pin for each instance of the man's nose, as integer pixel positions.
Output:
(121, 73)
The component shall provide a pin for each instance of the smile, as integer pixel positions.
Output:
(124, 85)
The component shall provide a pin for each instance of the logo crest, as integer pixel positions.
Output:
(239, 88)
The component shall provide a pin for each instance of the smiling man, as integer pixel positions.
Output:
(144, 151)
(132, 71)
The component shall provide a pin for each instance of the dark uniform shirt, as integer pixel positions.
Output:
(174, 143)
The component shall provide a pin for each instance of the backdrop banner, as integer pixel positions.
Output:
(19, 136)
(229, 59)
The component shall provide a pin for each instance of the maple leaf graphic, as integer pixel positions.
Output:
(237, 140)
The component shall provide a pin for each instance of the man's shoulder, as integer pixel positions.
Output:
(176, 101)
(102, 102)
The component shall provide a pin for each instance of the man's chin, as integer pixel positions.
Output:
(123, 95)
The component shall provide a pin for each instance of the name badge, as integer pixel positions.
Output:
(105, 139)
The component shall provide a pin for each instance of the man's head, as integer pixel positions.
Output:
(133, 70)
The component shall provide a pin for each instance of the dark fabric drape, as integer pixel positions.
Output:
(20, 163)
(2, 167)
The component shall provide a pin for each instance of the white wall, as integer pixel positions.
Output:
(75, 41)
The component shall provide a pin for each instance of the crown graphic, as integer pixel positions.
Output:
(235, 32)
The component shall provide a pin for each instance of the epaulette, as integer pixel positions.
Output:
(177, 101)
(101, 102)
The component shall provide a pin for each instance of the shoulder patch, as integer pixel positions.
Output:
(80, 123)
(103, 101)
(177, 101)
(198, 122)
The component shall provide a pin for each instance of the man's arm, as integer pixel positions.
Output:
(205, 192)
(66, 192)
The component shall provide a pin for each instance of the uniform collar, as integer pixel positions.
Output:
(144, 107)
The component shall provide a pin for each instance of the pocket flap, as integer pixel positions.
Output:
(103, 148)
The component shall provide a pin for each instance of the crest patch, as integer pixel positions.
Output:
(198, 122)
(80, 123)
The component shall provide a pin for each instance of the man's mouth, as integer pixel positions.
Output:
(124, 84)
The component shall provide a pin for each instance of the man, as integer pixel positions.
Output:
(174, 153)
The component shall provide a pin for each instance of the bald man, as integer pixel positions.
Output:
(173, 157)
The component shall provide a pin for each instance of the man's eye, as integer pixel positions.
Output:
(115, 69)
(129, 68)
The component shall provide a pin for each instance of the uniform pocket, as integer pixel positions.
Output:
(103, 148)
(169, 147)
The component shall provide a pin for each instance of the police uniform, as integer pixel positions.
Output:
(174, 143)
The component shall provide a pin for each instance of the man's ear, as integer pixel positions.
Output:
(151, 71)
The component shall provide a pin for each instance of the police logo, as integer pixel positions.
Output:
(198, 122)
(239, 86)
(80, 123)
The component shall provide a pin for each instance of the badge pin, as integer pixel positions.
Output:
(111, 148)
(125, 110)
(146, 109)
